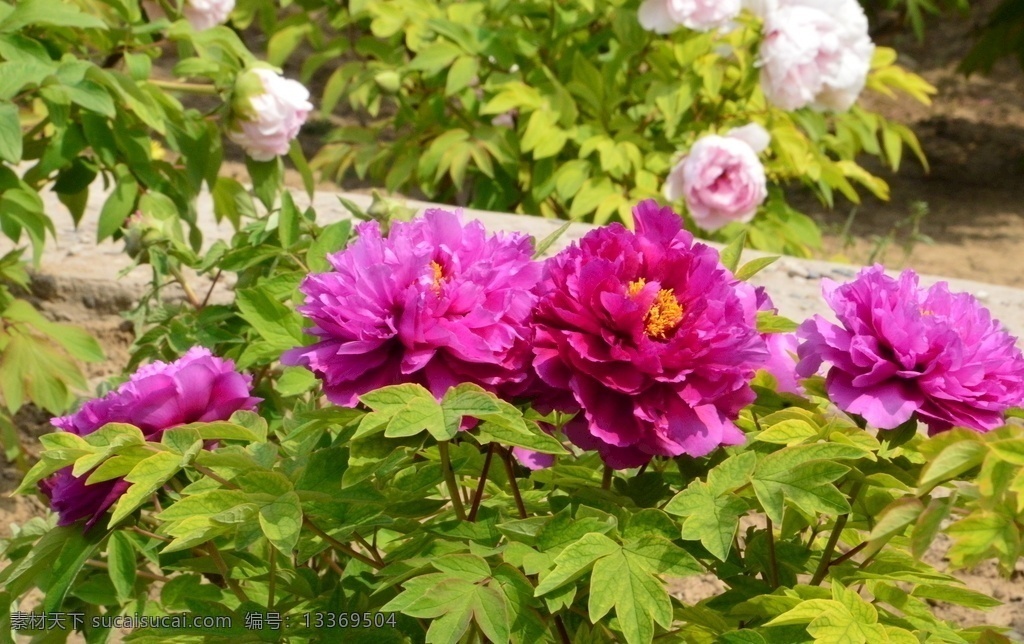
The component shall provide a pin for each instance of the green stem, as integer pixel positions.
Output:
(510, 472)
(606, 480)
(218, 561)
(339, 546)
(272, 581)
(772, 560)
(449, 477)
(189, 293)
(478, 497)
(833, 539)
(185, 88)
(373, 551)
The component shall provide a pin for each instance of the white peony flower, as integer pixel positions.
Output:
(665, 16)
(269, 111)
(815, 53)
(204, 14)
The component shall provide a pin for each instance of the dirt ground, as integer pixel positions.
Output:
(974, 137)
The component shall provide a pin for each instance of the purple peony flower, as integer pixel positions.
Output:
(900, 350)
(198, 387)
(653, 338)
(782, 348)
(437, 303)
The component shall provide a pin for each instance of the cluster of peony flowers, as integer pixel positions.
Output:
(645, 336)
(721, 179)
(268, 111)
(901, 351)
(198, 387)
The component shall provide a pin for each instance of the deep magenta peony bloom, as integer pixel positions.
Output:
(900, 349)
(652, 337)
(437, 303)
(198, 387)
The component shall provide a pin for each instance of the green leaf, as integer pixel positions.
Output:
(799, 474)
(788, 432)
(74, 551)
(275, 322)
(288, 221)
(281, 522)
(731, 254)
(332, 239)
(573, 562)
(118, 205)
(951, 462)
(546, 243)
(639, 599)
(203, 504)
(121, 565)
(410, 410)
(232, 201)
(768, 322)
(711, 519)
(464, 566)
(929, 523)
(146, 478)
(48, 12)
(461, 74)
(754, 266)
(10, 133)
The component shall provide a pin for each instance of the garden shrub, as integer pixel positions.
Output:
(570, 109)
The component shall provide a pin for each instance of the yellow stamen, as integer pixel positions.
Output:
(637, 286)
(438, 276)
(665, 313)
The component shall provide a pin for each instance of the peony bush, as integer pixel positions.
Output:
(436, 435)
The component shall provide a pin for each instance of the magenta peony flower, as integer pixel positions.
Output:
(198, 387)
(267, 113)
(653, 338)
(721, 178)
(782, 350)
(437, 303)
(900, 349)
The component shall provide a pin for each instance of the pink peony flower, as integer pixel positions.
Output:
(652, 337)
(206, 14)
(198, 387)
(901, 350)
(665, 16)
(437, 303)
(269, 111)
(815, 53)
(721, 179)
(782, 351)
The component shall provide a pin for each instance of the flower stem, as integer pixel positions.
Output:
(213, 284)
(141, 573)
(185, 88)
(339, 546)
(833, 539)
(506, 457)
(772, 560)
(479, 495)
(606, 480)
(373, 551)
(449, 477)
(563, 634)
(190, 295)
(271, 582)
(218, 561)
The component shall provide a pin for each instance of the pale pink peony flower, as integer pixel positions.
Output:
(815, 53)
(206, 14)
(721, 179)
(665, 16)
(266, 122)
